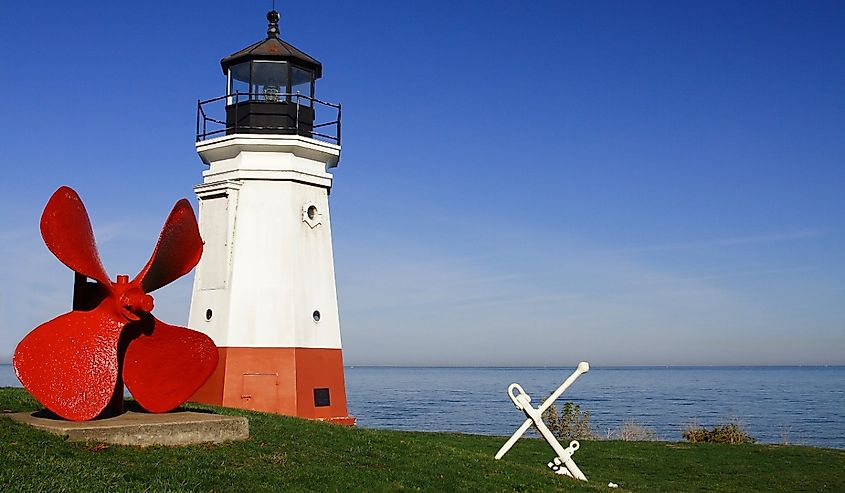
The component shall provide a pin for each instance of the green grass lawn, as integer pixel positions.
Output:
(289, 454)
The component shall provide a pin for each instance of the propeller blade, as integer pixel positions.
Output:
(177, 252)
(70, 364)
(67, 232)
(163, 367)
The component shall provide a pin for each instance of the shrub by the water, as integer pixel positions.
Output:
(570, 423)
(726, 433)
(633, 432)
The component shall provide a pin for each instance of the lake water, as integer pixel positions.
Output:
(798, 405)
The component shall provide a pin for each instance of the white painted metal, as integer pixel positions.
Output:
(582, 368)
(522, 401)
(564, 468)
(267, 265)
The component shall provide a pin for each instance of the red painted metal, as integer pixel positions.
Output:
(76, 363)
(167, 364)
(67, 232)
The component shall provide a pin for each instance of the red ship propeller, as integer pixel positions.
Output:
(75, 364)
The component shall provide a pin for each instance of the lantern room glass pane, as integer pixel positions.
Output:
(269, 81)
(301, 83)
(239, 81)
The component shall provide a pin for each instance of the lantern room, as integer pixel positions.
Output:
(270, 90)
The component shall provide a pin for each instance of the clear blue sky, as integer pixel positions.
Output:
(530, 183)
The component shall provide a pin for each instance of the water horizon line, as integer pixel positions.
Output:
(592, 366)
(603, 367)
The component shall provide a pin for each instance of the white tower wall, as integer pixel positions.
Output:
(267, 267)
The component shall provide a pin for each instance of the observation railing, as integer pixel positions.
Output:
(209, 127)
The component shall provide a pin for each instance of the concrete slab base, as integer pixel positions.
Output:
(143, 429)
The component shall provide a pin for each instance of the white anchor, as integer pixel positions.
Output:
(562, 463)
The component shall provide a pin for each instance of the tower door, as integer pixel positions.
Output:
(260, 391)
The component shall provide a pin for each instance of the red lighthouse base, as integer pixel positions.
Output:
(303, 382)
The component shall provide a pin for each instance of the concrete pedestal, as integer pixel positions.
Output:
(143, 429)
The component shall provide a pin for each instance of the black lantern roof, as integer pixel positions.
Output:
(273, 48)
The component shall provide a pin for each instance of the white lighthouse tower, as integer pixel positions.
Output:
(264, 289)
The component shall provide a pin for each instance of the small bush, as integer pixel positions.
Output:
(726, 433)
(785, 435)
(570, 423)
(633, 432)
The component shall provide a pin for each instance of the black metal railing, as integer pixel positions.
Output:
(327, 131)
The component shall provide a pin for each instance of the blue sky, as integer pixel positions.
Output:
(521, 184)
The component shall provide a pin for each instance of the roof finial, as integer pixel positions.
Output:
(273, 26)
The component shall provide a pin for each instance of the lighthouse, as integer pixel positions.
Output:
(264, 289)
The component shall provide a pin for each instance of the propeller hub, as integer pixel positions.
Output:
(133, 300)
